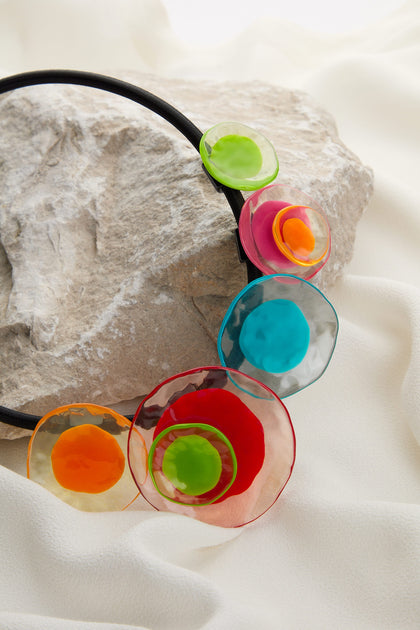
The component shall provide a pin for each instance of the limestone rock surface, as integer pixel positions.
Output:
(117, 256)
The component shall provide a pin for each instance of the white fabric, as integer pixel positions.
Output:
(341, 547)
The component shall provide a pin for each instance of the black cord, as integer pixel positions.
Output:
(148, 100)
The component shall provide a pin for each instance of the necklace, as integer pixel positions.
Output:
(215, 443)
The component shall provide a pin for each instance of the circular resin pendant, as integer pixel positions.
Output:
(192, 463)
(238, 156)
(78, 452)
(221, 446)
(280, 330)
(283, 230)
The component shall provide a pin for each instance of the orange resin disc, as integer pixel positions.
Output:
(298, 237)
(78, 452)
(87, 459)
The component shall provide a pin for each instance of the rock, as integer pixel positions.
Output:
(117, 256)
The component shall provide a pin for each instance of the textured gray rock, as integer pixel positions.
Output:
(117, 257)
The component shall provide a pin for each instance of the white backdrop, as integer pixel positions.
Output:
(341, 548)
(191, 21)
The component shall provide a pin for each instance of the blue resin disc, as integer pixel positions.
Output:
(275, 336)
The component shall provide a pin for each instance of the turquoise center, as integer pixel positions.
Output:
(275, 336)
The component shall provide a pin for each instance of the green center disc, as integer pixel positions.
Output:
(237, 156)
(192, 464)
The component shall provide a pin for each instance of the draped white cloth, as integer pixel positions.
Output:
(341, 547)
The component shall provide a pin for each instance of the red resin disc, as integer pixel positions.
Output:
(226, 412)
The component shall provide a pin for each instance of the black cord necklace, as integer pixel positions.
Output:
(155, 104)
